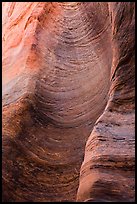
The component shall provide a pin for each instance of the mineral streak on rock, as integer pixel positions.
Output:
(68, 98)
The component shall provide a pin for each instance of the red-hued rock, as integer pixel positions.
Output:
(68, 69)
(108, 169)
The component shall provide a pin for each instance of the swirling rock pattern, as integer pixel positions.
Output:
(64, 65)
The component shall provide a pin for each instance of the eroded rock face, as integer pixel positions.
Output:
(108, 168)
(63, 64)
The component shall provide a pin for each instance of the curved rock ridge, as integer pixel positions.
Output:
(108, 169)
(68, 69)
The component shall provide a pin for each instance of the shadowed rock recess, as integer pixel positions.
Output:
(68, 101)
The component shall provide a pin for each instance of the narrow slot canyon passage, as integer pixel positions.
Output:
(55, 86)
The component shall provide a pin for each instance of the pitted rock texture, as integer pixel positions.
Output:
(68, 98)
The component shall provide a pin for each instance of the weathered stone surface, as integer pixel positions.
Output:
(63, 65)
(108, 168)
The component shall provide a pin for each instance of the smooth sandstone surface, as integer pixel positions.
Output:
(68, 101)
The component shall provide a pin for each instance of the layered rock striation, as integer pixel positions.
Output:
(68, 99)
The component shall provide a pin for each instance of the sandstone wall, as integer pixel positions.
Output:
(68, 99)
